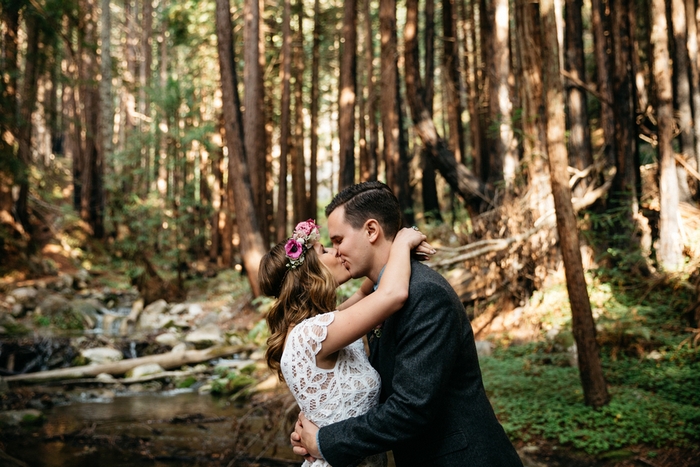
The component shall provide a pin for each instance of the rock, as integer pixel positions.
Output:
(206, 336)
(18, 310)
(169, 339)
(144, 370)
(105, 378)
(179, 308)
(153, 316)
(195, 309)
(53, 305)
(181, 347)
(27, 296)
(99, 355)
(484, 348)
(27, 417)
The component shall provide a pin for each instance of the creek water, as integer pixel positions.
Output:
(148, 429)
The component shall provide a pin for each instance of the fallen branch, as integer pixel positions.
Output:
(492, 245)
(167, 361)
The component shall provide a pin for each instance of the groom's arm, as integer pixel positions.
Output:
(429, 333)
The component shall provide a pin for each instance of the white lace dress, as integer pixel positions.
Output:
(350, 389)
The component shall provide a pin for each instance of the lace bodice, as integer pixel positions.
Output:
(349, 389)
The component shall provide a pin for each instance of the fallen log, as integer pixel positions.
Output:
(167, 361)
(548, 221)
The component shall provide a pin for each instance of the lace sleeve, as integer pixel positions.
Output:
(307, 337)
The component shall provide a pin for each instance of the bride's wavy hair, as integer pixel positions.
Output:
(302, 292)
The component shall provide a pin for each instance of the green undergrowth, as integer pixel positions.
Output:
(650, 361)
(542, 400)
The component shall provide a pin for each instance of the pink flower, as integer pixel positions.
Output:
(293, 249)
(306, 228)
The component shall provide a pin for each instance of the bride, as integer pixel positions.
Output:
(317, 351)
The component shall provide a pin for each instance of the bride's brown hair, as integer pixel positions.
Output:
(301, 292)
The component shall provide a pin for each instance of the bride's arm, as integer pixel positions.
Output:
(358, 319)
(365, 289)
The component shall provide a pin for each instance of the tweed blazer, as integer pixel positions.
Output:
(433, 410)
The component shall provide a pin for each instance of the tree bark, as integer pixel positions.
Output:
(254, 116)
(300, 198)
(694, 64)
(682, 93)
(624, 192)
(431, 202)
(451, 79)
(347, 97)
(590, 369)
(527, 22)
(502, 159)
(668, 252)
(603, 78)
(580, 155)
(369, 166)
(471, 189)
(252, 246)
(313, 129)
(389, 82)
(285, 121)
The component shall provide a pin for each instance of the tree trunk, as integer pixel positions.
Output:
(451, 80)
(146, 45)
(368, 166)
(254, 116)
(694, 64)
(300, 198)
(527, 23)
(624, 192)
(603, 75)
(682, 94)
(346, 104)
(503, 160)
(389, 83)
(457, 175)
(315, 69)
(668, 252)
(472, 84)
(105, 86)
(252, 246)
(580, 155)
(590, 369)
(285, 121)
(431, 202)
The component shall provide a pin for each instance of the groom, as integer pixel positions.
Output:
(433, 410)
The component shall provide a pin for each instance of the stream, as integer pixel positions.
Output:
(165, 429)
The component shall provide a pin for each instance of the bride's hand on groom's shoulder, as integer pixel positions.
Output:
(421, 249)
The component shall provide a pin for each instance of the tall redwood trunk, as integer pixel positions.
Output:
(285, 121)
(668, 252)
(583, 327)
(254, 117)
(603, 77)
(580, 155)
(252, 246)
(346, 104)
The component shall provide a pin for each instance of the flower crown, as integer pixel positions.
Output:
(305, 234)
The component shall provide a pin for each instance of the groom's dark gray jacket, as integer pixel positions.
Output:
(433, 411)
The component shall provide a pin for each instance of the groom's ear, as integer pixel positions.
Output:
(373, 230)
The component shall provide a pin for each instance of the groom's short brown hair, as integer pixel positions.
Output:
(369, 200)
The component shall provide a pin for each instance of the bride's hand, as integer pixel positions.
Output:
(416, 241)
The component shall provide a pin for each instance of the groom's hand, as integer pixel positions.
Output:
(304, 439)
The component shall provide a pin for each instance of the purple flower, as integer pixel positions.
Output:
(293, 249)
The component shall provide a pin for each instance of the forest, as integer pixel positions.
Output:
(152, 151)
